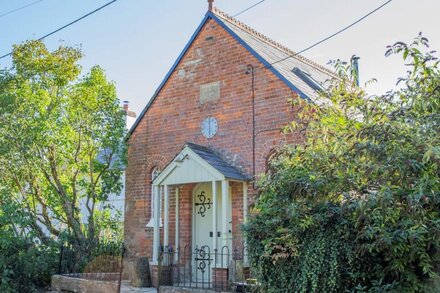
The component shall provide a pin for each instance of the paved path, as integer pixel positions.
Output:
(126, 288)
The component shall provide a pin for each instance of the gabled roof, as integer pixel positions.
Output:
(217, 162)
(270, 52)
(267, 52)
(196, 164)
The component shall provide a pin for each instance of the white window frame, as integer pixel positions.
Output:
(154, 173)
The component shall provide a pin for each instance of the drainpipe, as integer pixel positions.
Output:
(251, 70)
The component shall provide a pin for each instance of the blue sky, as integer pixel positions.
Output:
(137, 41)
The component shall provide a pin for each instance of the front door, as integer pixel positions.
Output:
(203, 233)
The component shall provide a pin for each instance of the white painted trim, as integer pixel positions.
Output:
(187, 153)
(214, 215)
(225, 224)
(156, 234)
(176, 230)
(154, 173)
(150, 223)
(165, 173)
(236, 180)
(207, 166)
(166, 214)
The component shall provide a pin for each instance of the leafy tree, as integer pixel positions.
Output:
(356, 208)
(61, 146)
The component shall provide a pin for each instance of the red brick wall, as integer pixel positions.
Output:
(175, 118)
(237, 213)
(185, 215)
(220, 279)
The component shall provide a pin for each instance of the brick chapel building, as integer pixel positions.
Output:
(206, 134)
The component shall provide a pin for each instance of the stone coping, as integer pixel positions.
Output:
(77, 284)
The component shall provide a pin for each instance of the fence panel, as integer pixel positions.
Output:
(203, 268)
(104, 263)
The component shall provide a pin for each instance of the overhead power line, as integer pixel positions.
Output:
(249, 8)
(20, 8)
(331, 36)
(69, 24)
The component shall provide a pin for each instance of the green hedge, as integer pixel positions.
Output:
(357, 207)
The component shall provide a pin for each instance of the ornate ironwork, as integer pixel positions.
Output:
(204, 204)
(203, 258)
(198, 268)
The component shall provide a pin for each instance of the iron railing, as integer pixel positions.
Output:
(105, 263)
(218, 269)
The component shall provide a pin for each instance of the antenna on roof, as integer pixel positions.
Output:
(210, 4)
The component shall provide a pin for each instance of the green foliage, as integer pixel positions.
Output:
(104, 257)
(357, 207)
(25, 264)
(61, 156)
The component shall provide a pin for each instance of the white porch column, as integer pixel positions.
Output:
(156, 234)
(214, 216)
(166, 223)
(176, 230)
(245, 212)
(225, 223)
(166, 204)
(225, 205)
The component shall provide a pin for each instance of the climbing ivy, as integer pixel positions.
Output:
(356, 208)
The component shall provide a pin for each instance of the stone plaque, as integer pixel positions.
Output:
(210, 92)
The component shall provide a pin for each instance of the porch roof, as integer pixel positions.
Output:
(196, 163)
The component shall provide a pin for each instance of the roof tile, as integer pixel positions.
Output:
(217, 162)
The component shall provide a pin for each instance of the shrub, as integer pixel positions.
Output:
(25, 264)
(356, 208)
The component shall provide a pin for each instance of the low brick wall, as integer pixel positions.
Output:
(70, 284)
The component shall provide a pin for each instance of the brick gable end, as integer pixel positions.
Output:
(177, 112)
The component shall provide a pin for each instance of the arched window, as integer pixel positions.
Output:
(154, 173)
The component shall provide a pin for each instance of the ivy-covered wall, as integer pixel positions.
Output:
(356, 208)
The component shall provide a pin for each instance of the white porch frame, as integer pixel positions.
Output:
(188, 167)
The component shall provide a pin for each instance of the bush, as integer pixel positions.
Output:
(356, 208)
(25, 264)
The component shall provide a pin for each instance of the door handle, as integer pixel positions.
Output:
(211, 234)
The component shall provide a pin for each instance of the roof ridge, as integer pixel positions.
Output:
(270, 41)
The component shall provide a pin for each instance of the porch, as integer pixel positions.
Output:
(204, 201)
